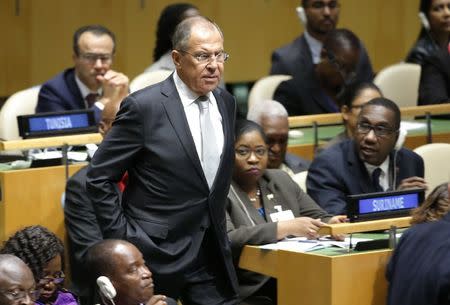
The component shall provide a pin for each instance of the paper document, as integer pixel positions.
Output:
(302, 244)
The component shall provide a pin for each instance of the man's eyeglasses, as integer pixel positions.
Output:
(93, 57)
(319, 5)
(244, 153)
(18, 294)
(380, 131)
(204, 58)
(57, 279)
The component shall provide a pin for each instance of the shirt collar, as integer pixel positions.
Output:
(187, 96)
(383, 166)
(84, 90)
(315, 46)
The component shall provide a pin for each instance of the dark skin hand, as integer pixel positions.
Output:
(413, 182)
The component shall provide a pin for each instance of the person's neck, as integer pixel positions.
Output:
(319, 36)
(249, 188)
(441, 38)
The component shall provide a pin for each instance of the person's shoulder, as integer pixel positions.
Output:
(339, 148)
(60, 78)
(408, 154)
(291, 47)
(276, 175)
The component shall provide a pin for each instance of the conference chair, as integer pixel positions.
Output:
(20, 103)
(265, 87)
(437, 166)
(300, 179)
(148, 78)
(400, 83)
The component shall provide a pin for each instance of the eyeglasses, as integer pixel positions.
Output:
(204, 58)
(93, 57)
(18, 294)
(244, 152)
(319, 5)
(57, 278)
(380, 131)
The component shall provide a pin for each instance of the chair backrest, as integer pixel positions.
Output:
(300, 179)
(20, 103)
(265, 87)
(437, 166)
(400, 83)
(148, 78)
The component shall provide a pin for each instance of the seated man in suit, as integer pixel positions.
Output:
(419, 269)
(90, 83)
(320, 18)
(17, 285)
(273, 118)
(368, 163)
(79, 217)
(317, 90)
(123, 264)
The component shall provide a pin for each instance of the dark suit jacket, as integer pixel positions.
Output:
(83, 231)
(61, 93)
(338, 171)
(419, 270)
(167, 207)
(422, 49)
(302, 94)
(296, 164)
(435, 80)
(241, 231)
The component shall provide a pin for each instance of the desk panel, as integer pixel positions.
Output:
(33, 196)
(356, 278)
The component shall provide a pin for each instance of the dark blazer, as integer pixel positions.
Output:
(242, 232)
(302, 94)
(435, 80)
(422, 49)
(338, 171)
(167, 207)
(61, 93)
(83, 231)
(419, 270)
(296, 164)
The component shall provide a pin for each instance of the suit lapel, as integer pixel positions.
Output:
(177, 118)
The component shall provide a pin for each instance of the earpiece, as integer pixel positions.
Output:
(401, 138)
(301, 15)
(424, 20)
(106, 288)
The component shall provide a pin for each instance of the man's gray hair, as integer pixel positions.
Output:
(269, 108)
(180, 38)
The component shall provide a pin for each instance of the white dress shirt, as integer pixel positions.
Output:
(384, 176)
(315, 46)
(85, 91)
(193, 115)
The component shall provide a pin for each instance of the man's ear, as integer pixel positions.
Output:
(176, 57)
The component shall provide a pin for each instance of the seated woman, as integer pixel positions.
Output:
(435, 33)
(43, 252)
(350, 103)
(434, 207)
(255, 196)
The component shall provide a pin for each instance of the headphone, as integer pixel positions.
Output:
(106, 288)
(424, 20)
(301, 15)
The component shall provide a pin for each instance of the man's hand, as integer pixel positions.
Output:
(157, 300)
(300, 226)
(115, 86)
(338, 219)
(413, 182)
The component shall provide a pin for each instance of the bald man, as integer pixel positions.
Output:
(123, 264)
(273, 118)
(17, 286)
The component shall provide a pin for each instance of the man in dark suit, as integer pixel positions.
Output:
(80, 220)
(173, 208)
(90, 83)
(434, 85)
(317, 90)
(419, 270)
(273, 118)
(369, 163)
(320, 17)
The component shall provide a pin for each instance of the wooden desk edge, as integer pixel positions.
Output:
(365, 226)
(51, 141)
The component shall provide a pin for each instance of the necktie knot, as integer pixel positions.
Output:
(91, 98)
(202, 102)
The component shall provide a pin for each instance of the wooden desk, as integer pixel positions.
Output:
(313, 279)
(33, 196)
